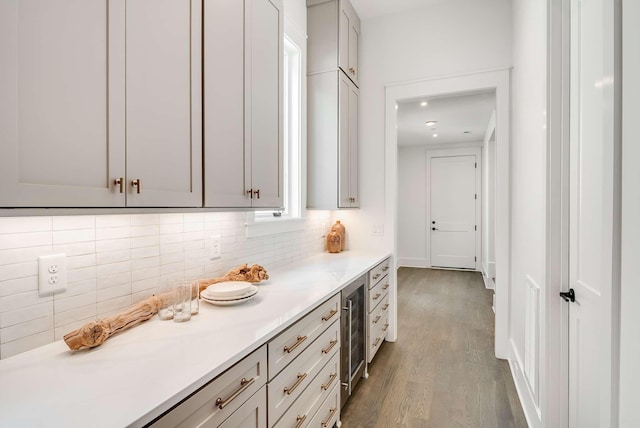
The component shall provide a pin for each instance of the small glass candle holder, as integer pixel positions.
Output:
(182, 302)
(166, 294)
(195, 297)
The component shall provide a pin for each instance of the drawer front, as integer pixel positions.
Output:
(291, 343)
(379, 313)
(377, 273)
(329, 413)
(292, 381)
(220, 398)
(302, 410)
(376, 335)
(252, 414)
(377, 293)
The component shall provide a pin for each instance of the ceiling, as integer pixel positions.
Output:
(454, 115)
(368, 9)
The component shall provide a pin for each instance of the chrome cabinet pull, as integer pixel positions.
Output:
(386, 326)
(386, 268)
(289, 389)
(377, 296)
(376, 342)
(289, 349)
(244, 384)
(331, 345)
(137, 183)
(330, 315)
(300, 420)
(384, 308)
(375, 321)
(326, 386)
(376, 276)
(325, 423)
(385, 286)
(120, 183)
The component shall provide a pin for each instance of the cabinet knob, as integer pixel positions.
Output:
(120, 183)
(137, 183)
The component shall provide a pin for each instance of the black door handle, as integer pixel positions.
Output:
(568, 296)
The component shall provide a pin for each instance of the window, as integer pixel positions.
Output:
(261, 223)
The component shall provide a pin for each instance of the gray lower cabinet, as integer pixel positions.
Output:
(101, 106)
(377, 307)
(223, 397)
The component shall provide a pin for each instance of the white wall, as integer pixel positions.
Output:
(412, 205)
(488, 202)
(630, 291)
(528, 184)
(413, 201)
(449, 38)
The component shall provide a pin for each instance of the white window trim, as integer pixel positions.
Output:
(263, 225)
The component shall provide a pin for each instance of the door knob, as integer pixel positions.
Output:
(568, 296)
(433, 228)
(433, 222)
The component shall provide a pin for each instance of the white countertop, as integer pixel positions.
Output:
(135, 376)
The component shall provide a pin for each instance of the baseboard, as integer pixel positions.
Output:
(487, 275)
(531, 411)
(488, 283)
(410, 262)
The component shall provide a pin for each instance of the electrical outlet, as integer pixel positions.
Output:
(52, 273)
(215, 252)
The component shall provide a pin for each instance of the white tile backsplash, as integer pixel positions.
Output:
(115, 261)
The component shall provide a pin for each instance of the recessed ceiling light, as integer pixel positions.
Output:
(423, 104)
(435, 135)
(431, 122)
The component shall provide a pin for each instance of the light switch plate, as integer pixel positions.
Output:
(52, 273)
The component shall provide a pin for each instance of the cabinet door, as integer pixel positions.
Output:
(348, 143)
(61, 103)
(163, 66)
(348, 40)
(354, 95)
(226, 176)
(263, 121)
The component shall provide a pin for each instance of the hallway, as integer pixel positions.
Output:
(441, 372)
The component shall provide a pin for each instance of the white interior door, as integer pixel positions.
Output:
(453, 211)
(592, 213)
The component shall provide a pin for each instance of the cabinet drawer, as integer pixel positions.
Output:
(377, 273)
(252, 414)
(291, 343)
(380, 312)
(292, 381)
(377, 333)
(325, 383)
(217, 400)
(329, 413)
(377, 293)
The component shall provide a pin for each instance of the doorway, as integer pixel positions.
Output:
(498, 81)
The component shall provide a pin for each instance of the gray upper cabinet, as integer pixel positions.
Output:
(332, 105)
(96, 96)
(334, 37)
(243, 60)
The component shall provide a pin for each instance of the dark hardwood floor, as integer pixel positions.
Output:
(441, 372)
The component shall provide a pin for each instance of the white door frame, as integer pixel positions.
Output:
(438, 153)
(500, 81)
